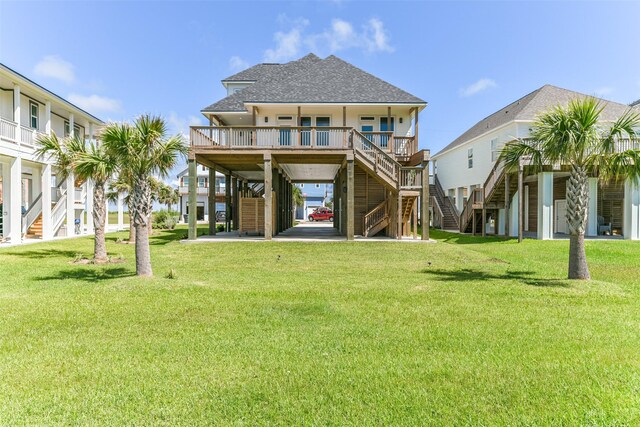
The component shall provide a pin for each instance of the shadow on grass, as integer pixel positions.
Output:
(471, 275)
(88, 274)
(44, 253)
(464, 239)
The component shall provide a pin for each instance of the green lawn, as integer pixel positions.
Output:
(465, 331)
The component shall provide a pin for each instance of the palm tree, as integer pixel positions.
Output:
(168, 196)
(122, 186)
(143, 149)
(88, 162)
(576, 136)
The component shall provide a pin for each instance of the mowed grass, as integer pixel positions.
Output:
(464, 331)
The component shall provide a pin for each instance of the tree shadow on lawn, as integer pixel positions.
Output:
(44, 253)
(471, 275)
(88, 274)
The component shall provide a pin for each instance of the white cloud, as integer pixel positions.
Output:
(477, 87)
(95, 103)
(287, 43)
(237, 64)
(603, 91)
(54, 66)
(178, 124)
(376, 37)
(341, 35)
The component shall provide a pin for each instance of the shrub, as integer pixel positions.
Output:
(165, 220)
(220, 227)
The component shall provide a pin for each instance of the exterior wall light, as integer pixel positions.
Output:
(266, 119)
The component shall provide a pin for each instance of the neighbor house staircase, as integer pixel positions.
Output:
(445, 214)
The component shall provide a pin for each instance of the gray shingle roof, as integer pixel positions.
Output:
(635, 103)
(314, 80)
(528, 107)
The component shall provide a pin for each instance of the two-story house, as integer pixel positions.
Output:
(34, 202)
(203, 187)
(315, 120)
(472, 187)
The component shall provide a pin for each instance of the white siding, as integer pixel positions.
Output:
(453, 170)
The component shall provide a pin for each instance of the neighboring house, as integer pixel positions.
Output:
(320, 121)
(314, 195)
(203, 194)
(34, 202)
(469, 183)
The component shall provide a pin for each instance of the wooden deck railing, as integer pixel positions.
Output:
(410, 178)
(296, 137)
(270, 137)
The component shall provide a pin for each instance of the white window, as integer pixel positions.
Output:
(66, 128)
(495, 149)
(33, 110)
(470, 158)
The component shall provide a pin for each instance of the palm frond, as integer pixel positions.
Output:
(515, 150)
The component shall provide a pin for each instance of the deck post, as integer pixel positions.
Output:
(507, 201)
(268, 199)
(415, 219)
(227, 202)
(484, 220)
(520, 202)
(212, 201)
(235, 202)
(275, 183)
(350, 199)
(424, 202)
(473, 221)
(193, 200)
(399, 217)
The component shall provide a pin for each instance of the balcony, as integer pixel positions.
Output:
(293, 137)
(18, 134)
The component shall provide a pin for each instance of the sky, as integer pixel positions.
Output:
(118, 59)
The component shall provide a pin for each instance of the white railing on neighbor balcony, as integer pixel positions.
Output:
(28, 136)
(270, 137)
(8, 129)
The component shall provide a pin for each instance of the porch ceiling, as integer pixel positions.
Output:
(310, 172)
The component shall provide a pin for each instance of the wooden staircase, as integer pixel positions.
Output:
(35, 230)
(450, 217)
(376, 220)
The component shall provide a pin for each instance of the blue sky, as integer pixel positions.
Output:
(118, 59)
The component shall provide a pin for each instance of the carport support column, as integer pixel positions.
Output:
(631, 212)
(45, 184)
(350, 199)
(545, 205)
(211, 201)
(227, 202)
(193, 199)
(15, 200)
(268, 199)
(592, 216)
(424, 203)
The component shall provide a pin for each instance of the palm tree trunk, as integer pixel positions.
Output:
(143, 254)
(132, 228)
(577, 208)
(99, 216)
(141, 210)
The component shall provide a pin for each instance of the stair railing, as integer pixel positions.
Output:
(494, 178)
(380, 160)
(32, 214)
(59, 211)
(475, 202)
(374, 217)
(438, 216)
